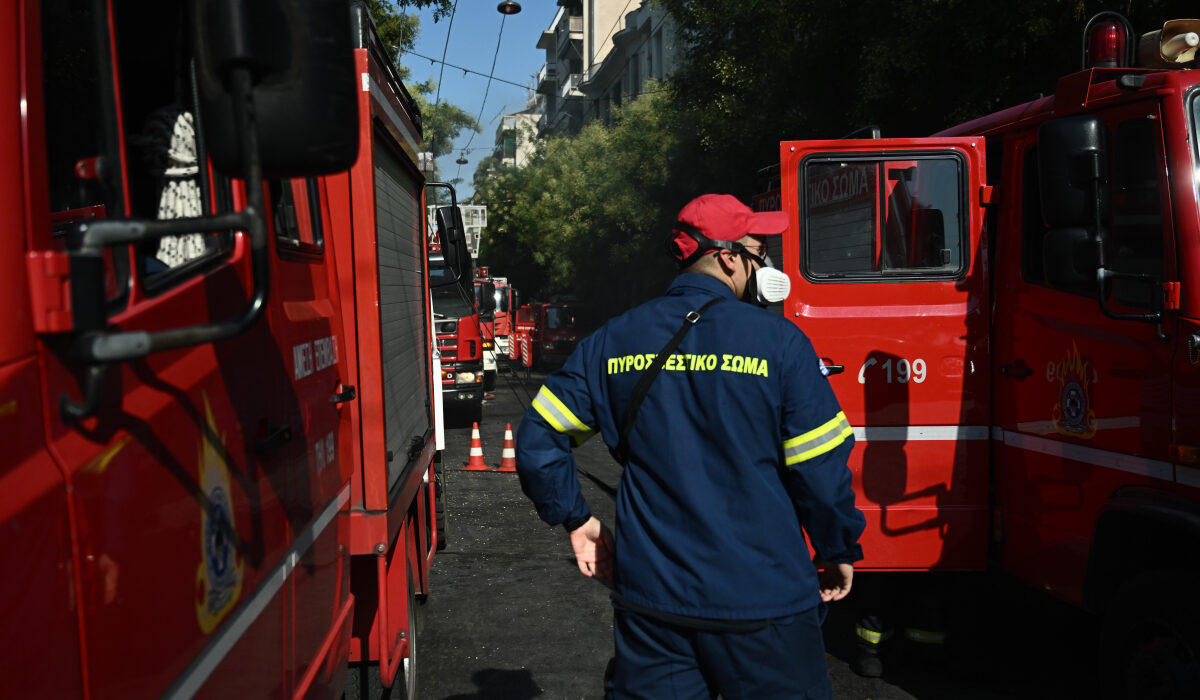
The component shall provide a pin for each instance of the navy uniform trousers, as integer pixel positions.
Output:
(658, 660)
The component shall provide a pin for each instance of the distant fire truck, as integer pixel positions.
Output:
(217, 371)
(546, 333)
(495, 324)
(1010, 310)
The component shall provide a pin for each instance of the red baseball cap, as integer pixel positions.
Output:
(720, 217)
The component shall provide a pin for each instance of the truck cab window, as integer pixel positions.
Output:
(1033, 229)
(1134, 242)
(82, 161)
(885, 219)
(166, 165)
(296, 214)
(172, 162)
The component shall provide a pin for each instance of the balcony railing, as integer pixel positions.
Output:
(574, 25)
(570, 86)
(546, 78)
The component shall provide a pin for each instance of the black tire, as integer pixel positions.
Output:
(408, 667)
(476, 411)
(489, 380)
(439, 506)
(362, 683)
(1149, 648)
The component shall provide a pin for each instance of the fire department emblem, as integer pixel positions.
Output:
(1073, 414)
(219, 575)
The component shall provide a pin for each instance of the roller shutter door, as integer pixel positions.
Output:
(402, 308)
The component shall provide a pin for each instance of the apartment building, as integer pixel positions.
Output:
(516, 135)
(598, 53)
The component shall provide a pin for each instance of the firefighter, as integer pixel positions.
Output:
(738, 450)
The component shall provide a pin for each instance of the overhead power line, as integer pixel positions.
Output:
(446, 47)
(467, 70)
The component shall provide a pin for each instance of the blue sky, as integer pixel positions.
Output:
(473, 36)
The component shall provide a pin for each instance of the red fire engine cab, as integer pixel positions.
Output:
(458, 320)
(1010, 310)
(217, 366)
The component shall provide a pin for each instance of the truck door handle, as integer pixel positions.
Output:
(278, 437)
(345, 393)
(1017, 370)
(830, 368)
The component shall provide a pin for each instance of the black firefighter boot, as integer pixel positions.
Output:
(870, 632)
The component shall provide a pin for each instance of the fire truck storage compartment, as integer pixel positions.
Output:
(402, 306)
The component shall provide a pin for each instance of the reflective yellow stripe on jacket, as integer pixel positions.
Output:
(560, 417)
(818, 441)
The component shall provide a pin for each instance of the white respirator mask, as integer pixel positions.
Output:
(769, 286)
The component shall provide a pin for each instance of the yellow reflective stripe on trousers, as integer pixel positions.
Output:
(869, 636)
(818, 441)
(924, 636)
(560, 417)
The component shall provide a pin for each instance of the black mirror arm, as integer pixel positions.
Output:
(1096, 175)
(1104, 276)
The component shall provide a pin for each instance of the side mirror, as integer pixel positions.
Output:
(452, 236)
(1071, 257)
(300, 55)
(487, 297)
(1073, 172)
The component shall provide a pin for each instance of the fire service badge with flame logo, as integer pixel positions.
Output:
(219, 576)
(1073, 414)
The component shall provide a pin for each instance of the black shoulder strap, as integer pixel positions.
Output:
(647, 378)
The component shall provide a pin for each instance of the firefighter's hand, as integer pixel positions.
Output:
(593, 545)
(835, 580)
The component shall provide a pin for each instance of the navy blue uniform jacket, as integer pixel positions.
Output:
(738, 445)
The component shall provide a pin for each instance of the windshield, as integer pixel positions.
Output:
(559, 318)
(1196, 132)
(449, 300)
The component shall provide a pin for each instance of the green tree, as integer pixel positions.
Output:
(588, 214)
(756, 73)
(441, 122)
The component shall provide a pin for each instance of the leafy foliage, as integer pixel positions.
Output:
(758, 72)
(588, 215)
(441, 122)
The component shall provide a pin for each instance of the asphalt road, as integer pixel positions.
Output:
(510, 617)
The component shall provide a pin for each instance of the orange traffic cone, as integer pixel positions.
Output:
(508, 458)
(476, 462)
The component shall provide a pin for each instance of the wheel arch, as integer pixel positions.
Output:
(1139, 529)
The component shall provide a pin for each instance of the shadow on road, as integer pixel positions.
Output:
(501, 684)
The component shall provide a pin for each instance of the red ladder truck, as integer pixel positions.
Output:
(1011, 313)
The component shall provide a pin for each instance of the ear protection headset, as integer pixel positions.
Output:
(687, 244)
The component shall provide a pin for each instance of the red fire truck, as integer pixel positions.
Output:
(459, 327)
(496, 324)
(485, 288)
(223, 466)
(546, 333)
(1011, 311)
